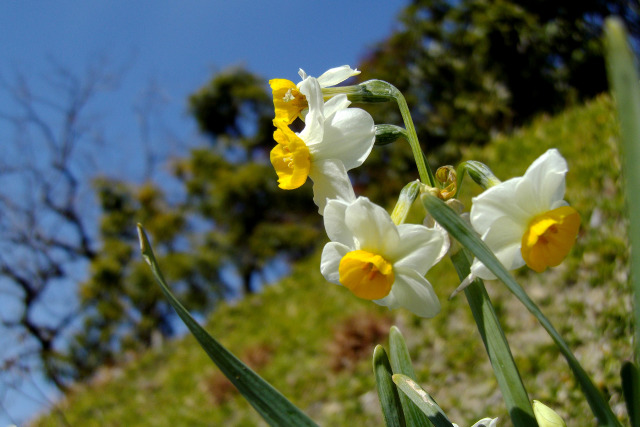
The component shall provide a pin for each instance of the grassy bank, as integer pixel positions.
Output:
(313, 341)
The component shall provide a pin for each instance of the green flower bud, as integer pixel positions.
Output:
(386, 134)
(545, 416)
(371, 91)
(479, 172)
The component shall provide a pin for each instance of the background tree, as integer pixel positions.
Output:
(46, 231)
(232, 186)
(470, 68)
(232, 221)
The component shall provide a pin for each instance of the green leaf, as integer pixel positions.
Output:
(631, 391)
(401, 364)
(514, 393)
(269, 402)
(451, 222)
(624, 81)
(387, 391)
(422, 399)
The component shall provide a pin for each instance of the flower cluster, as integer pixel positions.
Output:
(523, 220)
(335, 138)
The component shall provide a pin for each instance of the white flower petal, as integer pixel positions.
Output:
(332, 253)
(336, 75)
(479, 270)
(540, 189)
(546, 177)
(413, 292)
(349, 136)
(496, 202)
(504, 238)
(335, 104)
(330, 181)
(486, 422)
(421, 248)
(310, 88)
(372, 227)
(334, 223)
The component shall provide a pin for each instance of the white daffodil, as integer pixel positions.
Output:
(485, 422)
(334, 140)
(379, 260)
(525, 220)
(289, 101)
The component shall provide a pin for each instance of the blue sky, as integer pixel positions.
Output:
(176, 46)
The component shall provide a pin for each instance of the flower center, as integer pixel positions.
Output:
(366, 274)
(290, 158)
(549, 238)
(287, 100)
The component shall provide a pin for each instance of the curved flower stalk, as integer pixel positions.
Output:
(289, 101)
(334, 140)
(525, 220)
(379, 260)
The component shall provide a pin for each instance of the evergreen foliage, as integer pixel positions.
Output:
(233, 218)
(472, 68)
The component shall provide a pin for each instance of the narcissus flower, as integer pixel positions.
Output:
(334, 140)
(525, 220)
(381, 261)
(289, 101)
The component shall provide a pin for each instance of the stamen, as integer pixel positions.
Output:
(288, 96)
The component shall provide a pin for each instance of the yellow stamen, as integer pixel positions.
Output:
(549, 238)
(290, 158)
(366, 274)
(287, 100)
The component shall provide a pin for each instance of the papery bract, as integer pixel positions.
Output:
(379, 260)
(525, 220)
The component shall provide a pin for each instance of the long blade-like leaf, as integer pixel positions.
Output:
(401, 364)
(387, 391)
(515, 395)
(269, 402)
(630, 380)
(423, 400)
(625, 86)
(451, 222)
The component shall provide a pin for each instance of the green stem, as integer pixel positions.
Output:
(374, 91)
(426, 176)
(515, 395)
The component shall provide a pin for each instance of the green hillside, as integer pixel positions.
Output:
(313, 341)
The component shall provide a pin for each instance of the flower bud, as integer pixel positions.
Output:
(371, 91)
(545, 416)
(386, 134)
(480, 173)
